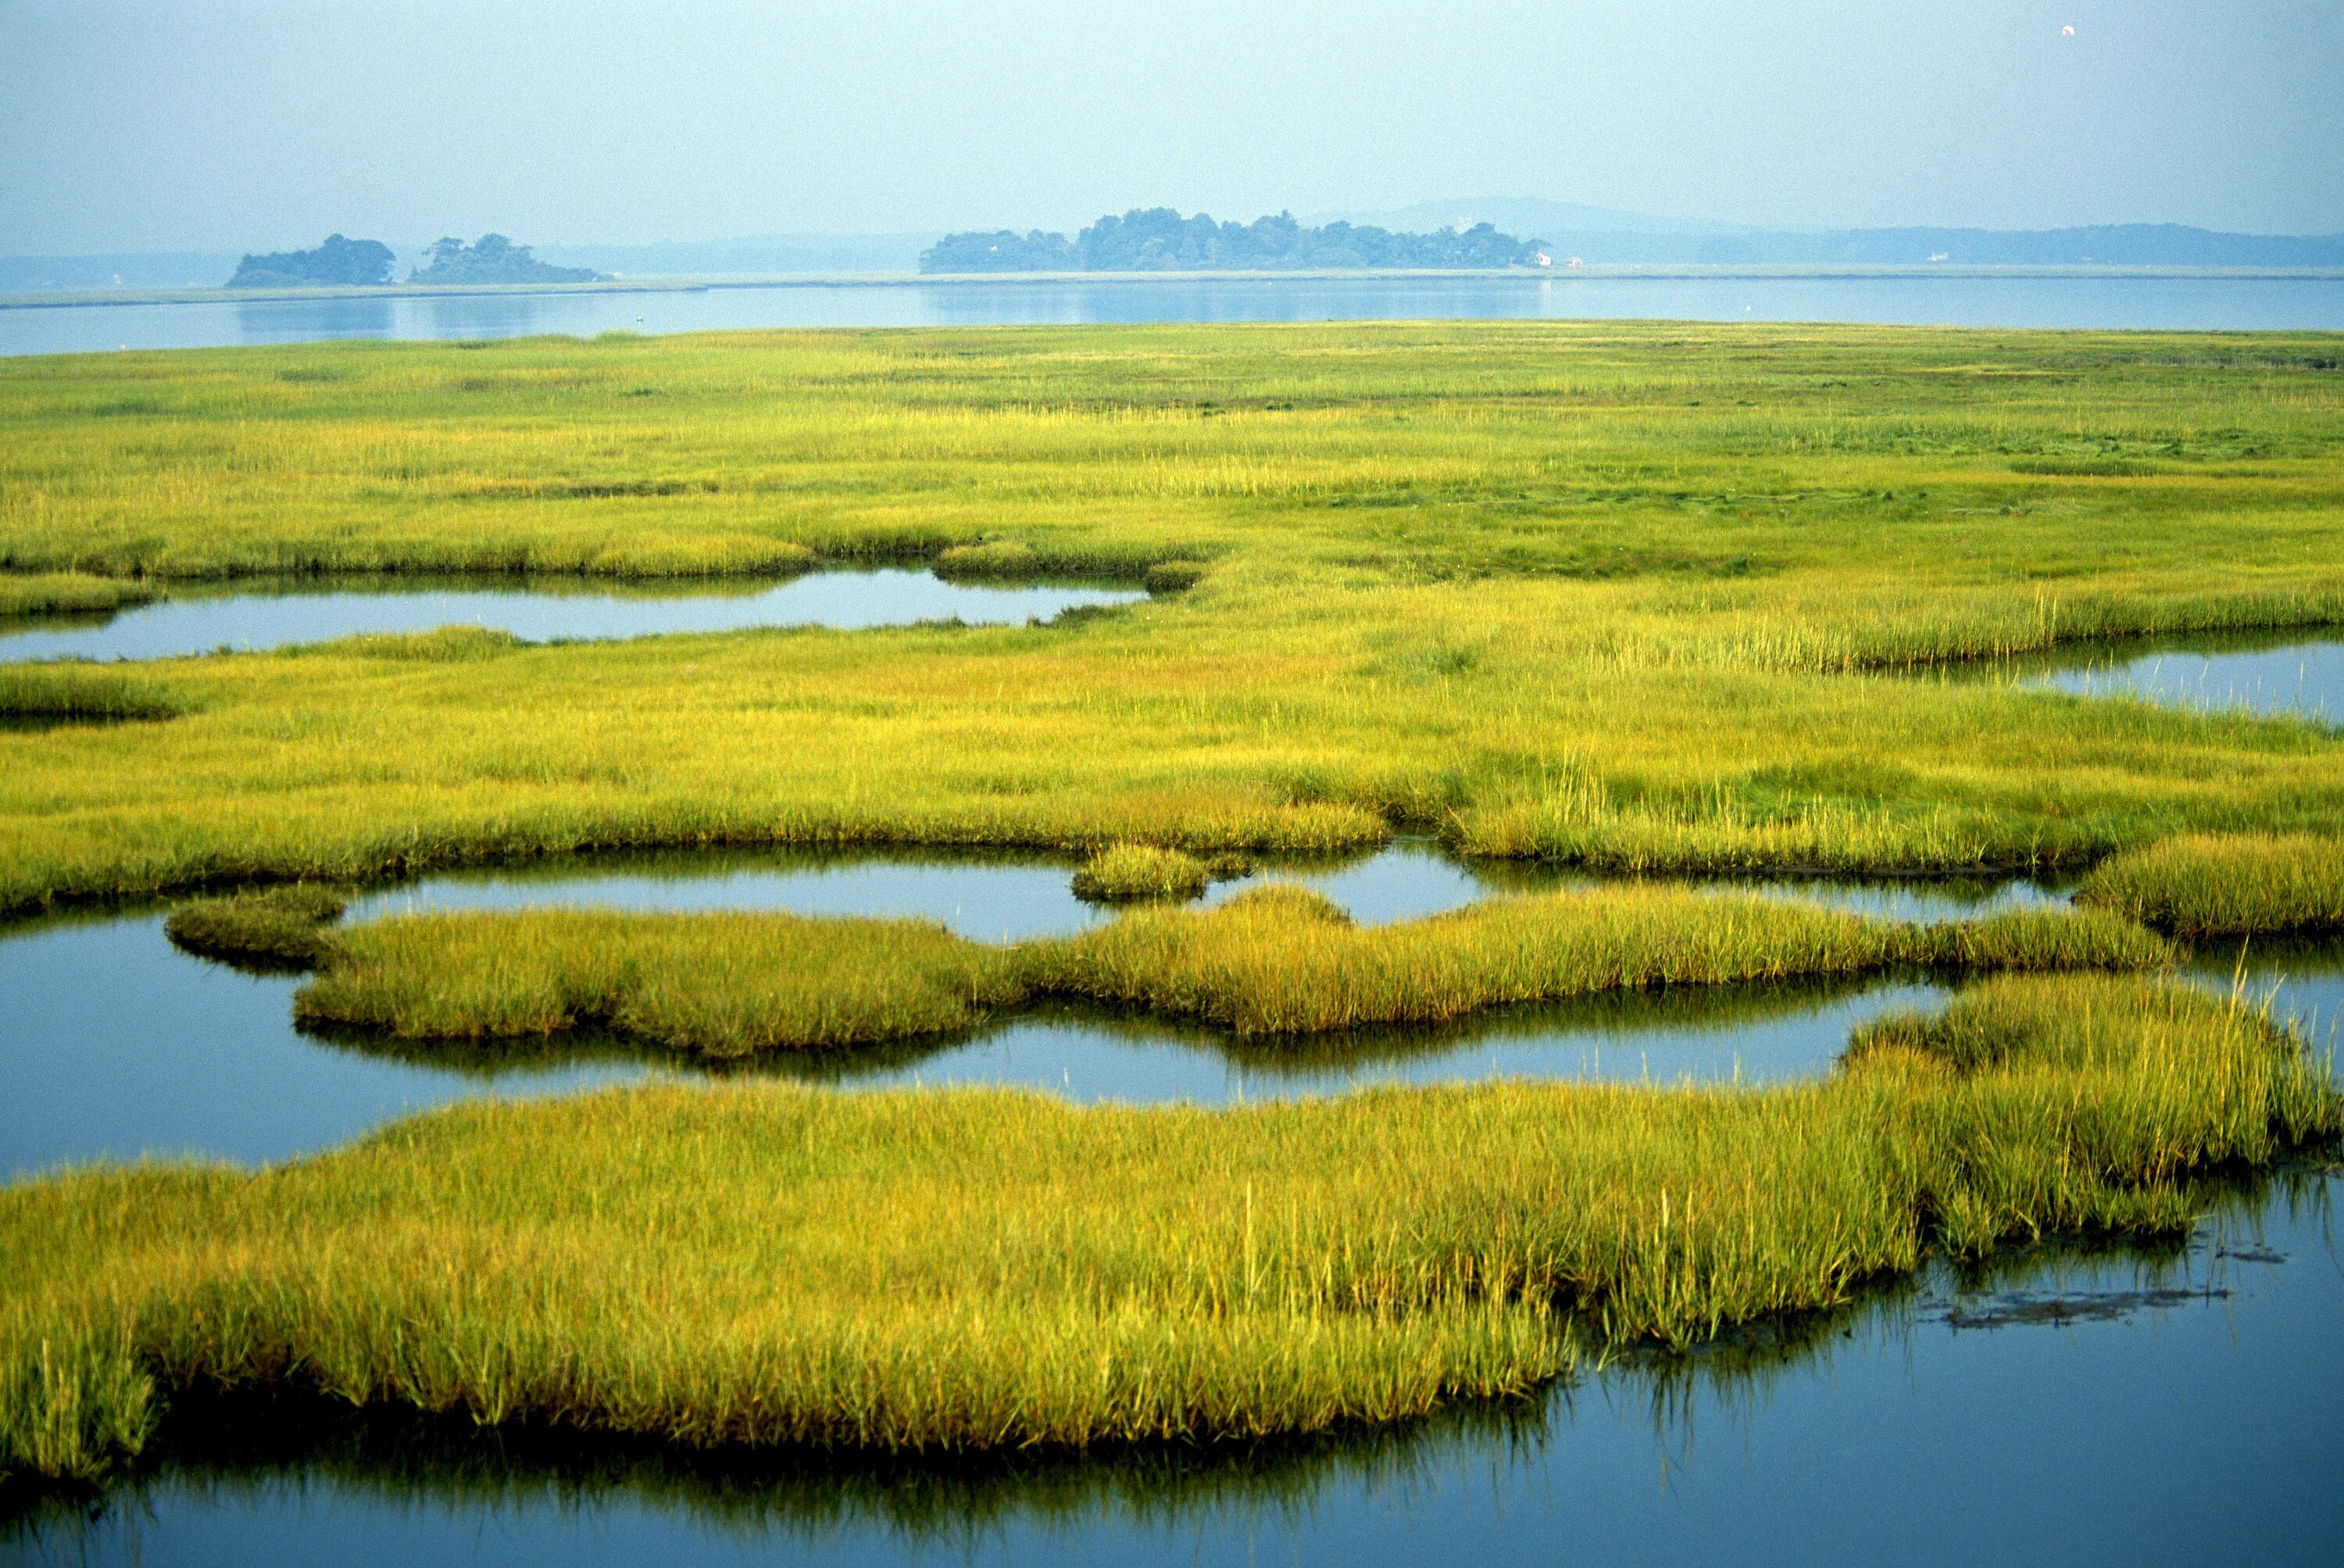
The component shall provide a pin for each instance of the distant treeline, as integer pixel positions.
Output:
(493, 258)
(346, 263)
(337, 263)
(1158, 239)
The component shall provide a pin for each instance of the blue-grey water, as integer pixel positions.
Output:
(2190, 303)
(2070, 1408)
(277, 614)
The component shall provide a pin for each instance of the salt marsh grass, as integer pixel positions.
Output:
(2225, 885)
(971, 1271)
(1616, 593)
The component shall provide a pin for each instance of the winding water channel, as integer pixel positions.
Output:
(279, 613)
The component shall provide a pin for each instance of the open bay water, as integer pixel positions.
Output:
(2069, 1406)
(279, 613)
(1963, 300)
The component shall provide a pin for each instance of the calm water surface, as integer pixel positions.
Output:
(202, 620)
(2196, 304)
(2070, 1409)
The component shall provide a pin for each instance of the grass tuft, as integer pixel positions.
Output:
(272, 929)
(1128, 872)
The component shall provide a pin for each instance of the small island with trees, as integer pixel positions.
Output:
(344, 263)
(1158, 239)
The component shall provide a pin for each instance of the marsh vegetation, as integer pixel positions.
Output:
(1641, 600)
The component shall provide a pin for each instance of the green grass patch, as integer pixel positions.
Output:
(1128, 872)
(2226, 884)
(977, 1270)
(272, 928)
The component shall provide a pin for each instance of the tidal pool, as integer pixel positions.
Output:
(2074, 1407)
(277, 612)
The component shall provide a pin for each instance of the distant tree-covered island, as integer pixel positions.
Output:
(493, 258)
(1158, 239)
(344, 263)
(337, 263)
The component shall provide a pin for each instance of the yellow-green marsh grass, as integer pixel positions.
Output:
(1592, 591)
(1274, 960)
(2225, 885)
(971, 1269)
(1127, 872)
(1283, 960)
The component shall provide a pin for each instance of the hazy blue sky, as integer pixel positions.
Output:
(232, 126)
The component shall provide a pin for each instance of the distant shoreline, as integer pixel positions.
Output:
(1618, 272)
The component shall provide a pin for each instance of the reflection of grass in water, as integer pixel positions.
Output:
(1691, 1009)
(1701, 1010)
(251, 1448)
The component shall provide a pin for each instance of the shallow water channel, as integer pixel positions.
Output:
(277, 612)
(2072, 1407)
(116, 1044)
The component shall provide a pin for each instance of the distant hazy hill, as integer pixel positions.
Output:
(1605, 235)
(1158, 239)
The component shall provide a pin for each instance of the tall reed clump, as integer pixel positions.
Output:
(753, 1264)
(273, 927)
(1127, 873)
(717, 985)
(73, 1398)
(2214, 884)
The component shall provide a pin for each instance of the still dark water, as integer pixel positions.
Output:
(2070, 1409)
(2196, 304)
(2270, 675)
(203, 618)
